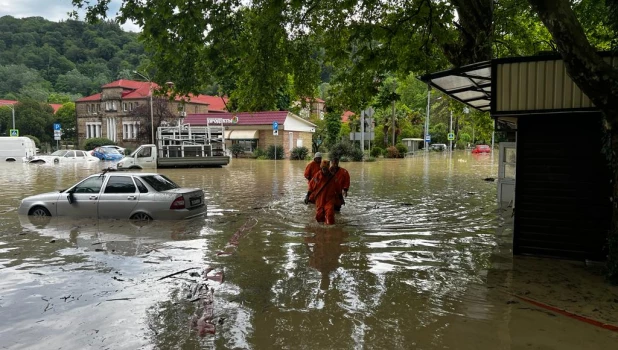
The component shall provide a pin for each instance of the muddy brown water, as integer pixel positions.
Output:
(420, 258)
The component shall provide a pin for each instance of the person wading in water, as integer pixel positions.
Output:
(342, 177)
(323, 191)
(311, 170)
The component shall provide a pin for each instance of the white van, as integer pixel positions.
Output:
(16, 148)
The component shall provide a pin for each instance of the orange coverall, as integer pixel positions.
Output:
(311, 170)
(324, 193)
(342, 177)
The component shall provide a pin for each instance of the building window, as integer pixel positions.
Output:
(89, 110)
(110, 106)
(111, 129)
(93, 130)
(124, 107)
(129, 130)
(98, 107)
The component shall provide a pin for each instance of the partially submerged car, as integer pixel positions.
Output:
(119, 195)
(107, 153)
(481, 149)
(64, 156)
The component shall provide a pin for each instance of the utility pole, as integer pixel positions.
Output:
(450, 147)
(427, 117)
(363, 131)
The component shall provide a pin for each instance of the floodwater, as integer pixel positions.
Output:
(420, 258)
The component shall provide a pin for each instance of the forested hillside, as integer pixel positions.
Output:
(57, 62)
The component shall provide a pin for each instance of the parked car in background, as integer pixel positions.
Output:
(64, 156)
(119, 195)
(117, 148)
(107, 153)
(438, 147)
(481, 149)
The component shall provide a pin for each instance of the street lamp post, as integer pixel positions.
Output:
(152, 139)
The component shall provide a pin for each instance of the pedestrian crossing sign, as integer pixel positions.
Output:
(451, 136)
(14, 133)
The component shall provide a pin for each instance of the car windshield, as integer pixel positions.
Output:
(483, 146)
(159, 182)
(109, 150)
(59, 153)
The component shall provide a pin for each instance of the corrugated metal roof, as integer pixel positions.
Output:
(470, 84)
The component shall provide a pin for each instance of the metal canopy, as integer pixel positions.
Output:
(470, 84)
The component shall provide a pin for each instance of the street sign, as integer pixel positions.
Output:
(369, 112)
(57, 132)
(57, 137)
(451, 136)
(427, 138)
(275, 132)
(275, 126)
(57, 127)
(14, 133)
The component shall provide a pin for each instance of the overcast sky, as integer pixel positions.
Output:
(53, 10)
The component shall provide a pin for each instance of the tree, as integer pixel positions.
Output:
(161, 115)
(66, 116)
(366, 40)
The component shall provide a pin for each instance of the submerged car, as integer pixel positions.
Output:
(64, 156)
(117, 148)
(119, 195)
(107, 153)
(481, 149)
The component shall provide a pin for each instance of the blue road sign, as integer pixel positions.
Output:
(56, 126)
(275, 126)
(427, 138)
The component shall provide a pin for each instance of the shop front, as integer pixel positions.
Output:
(253, 130)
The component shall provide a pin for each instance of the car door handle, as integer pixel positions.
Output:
(93, 197)
(132, 198)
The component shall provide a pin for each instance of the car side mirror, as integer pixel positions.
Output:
(70, 198)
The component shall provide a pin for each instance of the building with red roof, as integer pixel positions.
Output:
(255, 130)
(108, 113)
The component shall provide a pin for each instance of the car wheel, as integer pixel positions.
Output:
(39, 211)
(141, 217)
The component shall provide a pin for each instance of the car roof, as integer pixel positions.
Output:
(128, 173)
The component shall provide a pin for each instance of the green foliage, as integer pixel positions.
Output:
(259, 153)
(392, 152)
(299, 153)
(97, 142)
(377, 152)
(346, 151)
(237, 149)
(36, 140)
(370, 159)
(42, 60)
(333, 128)
(402, 149)
(275, 152)
(66, 117)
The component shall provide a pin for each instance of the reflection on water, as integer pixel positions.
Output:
(419, 258)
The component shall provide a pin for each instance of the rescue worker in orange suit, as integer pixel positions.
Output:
(323, 191)
(342, 177)
(311, 170)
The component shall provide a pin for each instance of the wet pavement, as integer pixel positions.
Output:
(420, 259)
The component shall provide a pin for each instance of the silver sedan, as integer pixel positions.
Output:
(119, 195)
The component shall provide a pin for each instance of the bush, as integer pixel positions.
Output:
(376, 152)
(370, 159)
(258, 152)
(299, 153)
(346, 150)
(402, 149)
(237, 149)
(271, 152)
(392, 152)
(97, 142)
